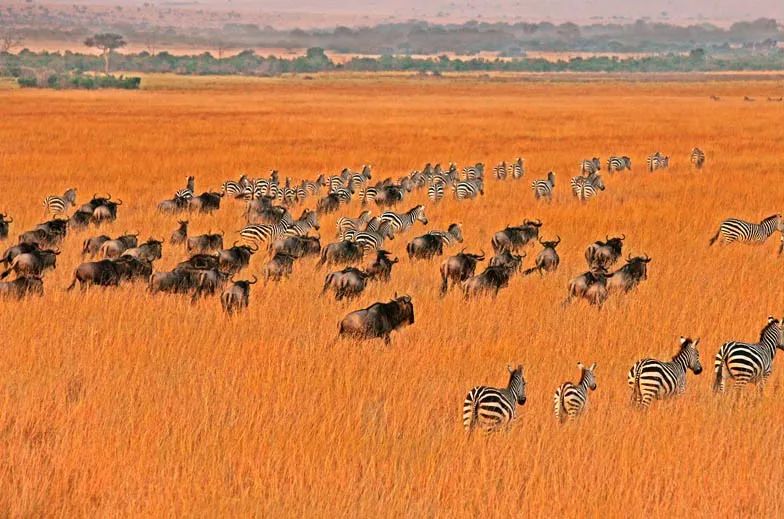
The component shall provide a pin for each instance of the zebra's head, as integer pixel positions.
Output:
(70, 195)
(456, 230)
(551, 178)
(419, 212)
(779, 224)
(772, 333)
(691, 354)
(517, 383)
(588, 377)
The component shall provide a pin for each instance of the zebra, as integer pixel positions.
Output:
(651, 379)
(371, 241)
(57, 205)
(303, 225)
(697, 158)
(475, 172)
(570, 400)
(734, 229)
(619, 164)
(500, 171)
(744, 362)
(468, 189)
(367, 194)
(451, 236)
(263, 232)
(313, 187)
(435, 192)
(335, 183)
(658, 161)
(544, 188)
(585, 188)
(493, 408)
(401, 222)
(346, 223)
(590, 167)
(234, 189)
(187, 192)
(518, 168)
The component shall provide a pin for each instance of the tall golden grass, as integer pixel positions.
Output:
(113, 402)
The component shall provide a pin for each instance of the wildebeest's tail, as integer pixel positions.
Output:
(323, 259)
(530, 271)
(73, 283)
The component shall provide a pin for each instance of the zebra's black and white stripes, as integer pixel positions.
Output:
(651, 379)
(585, 188)
(543, 188)
(435, 191)
(570, 400)
(518, 168)
(401, 222)
(619, 164)
(590, 166)
(697, 158)
(467, 189)
(187, 192)
(346, 223)
(734, 229)
(371, 240)
(745, 362)
(58, 205)
(493, 408)
(657, 161)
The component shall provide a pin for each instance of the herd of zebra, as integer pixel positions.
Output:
(211, 267)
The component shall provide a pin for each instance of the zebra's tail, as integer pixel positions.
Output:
(715, 237)
(558, 405)
(718, 367)
(634, 383)
(471, 415)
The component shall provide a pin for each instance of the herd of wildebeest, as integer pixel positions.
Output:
(356, 258)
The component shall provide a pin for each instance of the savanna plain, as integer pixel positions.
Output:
(115, 402)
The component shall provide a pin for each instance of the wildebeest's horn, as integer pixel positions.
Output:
(623, 237)
(629, 257)
(482, 252)
(95, 195)
(221, 233)
(255, 279)
(234, 244)
(395, 260)
(606, 237)
(538, 223)
(539, 239)
(647, 259)
(119, 202)
(9, 221)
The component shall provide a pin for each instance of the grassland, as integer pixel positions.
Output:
(116, 403)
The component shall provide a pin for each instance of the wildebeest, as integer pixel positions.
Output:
(604, 253)
(389, 196)
(349, 282)
(236, 296)
(341, 253)
(378, 320)
(178, 280)
(381, 267)
(46, 234)
(547, 260)
(180, 234)
(458, 268)
(114, 248)
(22, 286)
(630, 275)
(432, 243)
(4, 221)
(209, 282)
(492, 279)
(280, 266)
(150, 250)
(507, 259)
(206, 202)
(236, 258)
(514, 238)
(92, 245)
(16, 250)
(105, 212)
(33, 263)
(204, 243)
(590, 285)
(297, 246)
(328, 204)
(175, 205)
(200, 262)
(103, 273)
(266, 213)
(80, 220)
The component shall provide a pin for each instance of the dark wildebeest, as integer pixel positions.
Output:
(341, 253)
(106, 212)
(507, 259)
(16, 250)
(114, 248)
(280, 266)
(378, 320)
(492, 279)
(236, 258)
(349, 282)
(133, 268)
(80, 220)
(200, 262)
(328, 204)
(235, 296)
(547, 260)
(389, 196)
(432, 243)
(297, 246)
(46, 234)
(177, 204)
(92, 245)
(22, 286)
(381, 268)
(514, 238)
(209, 282)
(204, 243)
(4, 221)
(57, 227)
(604, 253)
(177, 281)
(102, 273)
(181, 234)
(590, 285)
(458, 268)
(630, 275)
(150, 250)
(206, 202)
(32, 263)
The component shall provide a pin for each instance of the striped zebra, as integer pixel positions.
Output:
(544, 188)
(263, 232)
(518, 168)
(494, 408)
(570, 400)
(468, 189)
(734, 229)
(744, 362)
(335, 183)
(368, 194)
(619, 164)
(657, 161)
(303, 225)
(585, 188)
(187, 192)
(589, 167)
(651, 379)
(500, 171)
(346, 223)
(401, 222)
(344, 195)
(371, 241)
(475, 172)
(451, 236)
(313, 187)
(234, 189)
(57, 205)
(697, 158)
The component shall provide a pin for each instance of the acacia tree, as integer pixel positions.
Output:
(9, 39)
(106, 43)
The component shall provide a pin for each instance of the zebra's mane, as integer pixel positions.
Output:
(766, 330)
